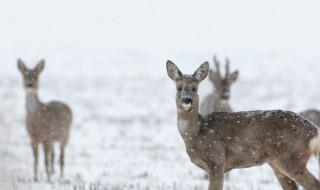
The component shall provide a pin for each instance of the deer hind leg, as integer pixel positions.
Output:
(51, 150)
(46, 151)
(34, 145)
(319, 166)
(298, 171)
(62, 147)
(285, 182)
(61, 160)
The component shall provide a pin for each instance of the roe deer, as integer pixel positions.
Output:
(222, 141)
(45, 122)
(313, 115)
(218, 100)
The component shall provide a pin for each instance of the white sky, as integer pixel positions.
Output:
(140, 23)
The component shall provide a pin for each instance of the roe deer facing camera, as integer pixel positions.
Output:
(219, 99)
(46, 122)
(222, 141)
(313, 115)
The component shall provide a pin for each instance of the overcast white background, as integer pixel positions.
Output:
(106, 59)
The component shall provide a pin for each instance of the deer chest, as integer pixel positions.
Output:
(197, 159)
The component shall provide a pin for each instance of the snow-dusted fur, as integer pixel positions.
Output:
(46, 123)
(222, 141)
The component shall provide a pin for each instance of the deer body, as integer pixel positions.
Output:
(222, 141)
(46, 123)
(219, 99)
(245, 139)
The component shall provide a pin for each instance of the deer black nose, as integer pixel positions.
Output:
(186, 100)
(225, 96)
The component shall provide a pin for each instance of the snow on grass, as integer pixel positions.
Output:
(107, 61)
(124, 134)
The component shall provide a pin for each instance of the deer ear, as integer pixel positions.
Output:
(21, 66)
(40, 66)
(234, 76)
(202, 72)
(173, 71)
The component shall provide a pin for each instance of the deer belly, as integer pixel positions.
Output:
(243, 159)
(59, 134)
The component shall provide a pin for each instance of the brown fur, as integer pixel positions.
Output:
(221, 141)
(46, 122)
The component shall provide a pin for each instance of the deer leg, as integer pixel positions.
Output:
(307, 180)
(285, 182)
(319, 166)
(216, 176)
(52, 158)
(299, 172)
(61, 160)
(46, 159)
(62, 146)
(35, 156)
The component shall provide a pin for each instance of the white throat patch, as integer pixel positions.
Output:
(183, 126)
(186, 105)
(224, 102)
(32, 105)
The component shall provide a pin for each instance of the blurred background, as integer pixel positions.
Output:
(106, 59)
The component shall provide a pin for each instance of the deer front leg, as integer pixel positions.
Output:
(34, 145)
(216, 177)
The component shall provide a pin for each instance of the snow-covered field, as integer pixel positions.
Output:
(107, 61)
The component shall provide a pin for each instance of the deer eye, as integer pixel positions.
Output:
(179, 88)
(194, 89)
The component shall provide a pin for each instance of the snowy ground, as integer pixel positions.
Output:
(107, 61)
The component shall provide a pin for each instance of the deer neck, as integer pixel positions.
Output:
(32, 103)
(189, 124)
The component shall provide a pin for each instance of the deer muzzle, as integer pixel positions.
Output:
(186, 102)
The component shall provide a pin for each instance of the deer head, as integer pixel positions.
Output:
(30, 76)
(222, 84)
(187, 98)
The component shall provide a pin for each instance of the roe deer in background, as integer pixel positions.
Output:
(313, 115)
(45, 122)
(219, 99)
(222, 141)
